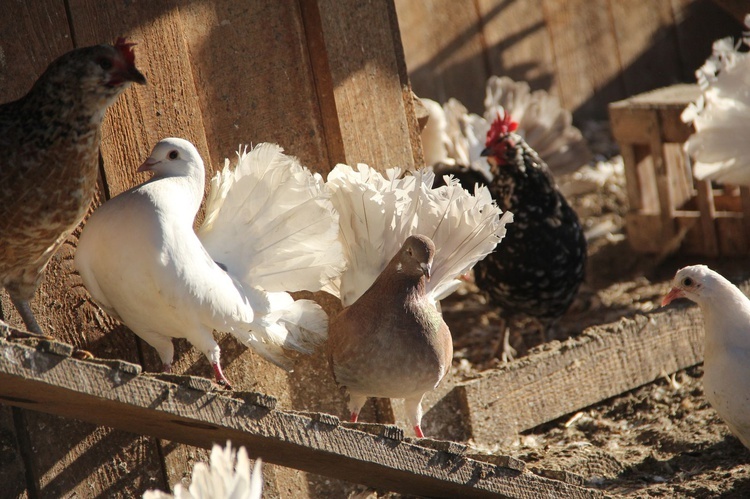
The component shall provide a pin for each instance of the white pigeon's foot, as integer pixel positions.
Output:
(220, 378)
(354, 417)
(418, 431)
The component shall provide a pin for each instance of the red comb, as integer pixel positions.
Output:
(126, 49)
(503, 124)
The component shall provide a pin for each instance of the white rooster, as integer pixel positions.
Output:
(227, 477)
(457, 137)
(721, 116)
(270, 228)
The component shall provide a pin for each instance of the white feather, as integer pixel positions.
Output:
(721, 116)
(377, 213)
(227, 477)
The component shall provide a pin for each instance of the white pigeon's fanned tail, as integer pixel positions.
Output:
(721, 115)
(271, 223)
(377, 213)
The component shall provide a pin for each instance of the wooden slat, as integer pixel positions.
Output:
(707, 211)
(363, 50)
(443, 49)
(519, 43)
(117, 397)
(605, 361)
(585, 55)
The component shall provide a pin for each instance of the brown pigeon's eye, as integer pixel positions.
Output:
(687, 282)
(173, 155)
(105, 64)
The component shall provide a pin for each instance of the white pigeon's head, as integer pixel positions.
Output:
(174, 157)
(694, 283)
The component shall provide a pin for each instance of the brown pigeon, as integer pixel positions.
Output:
(49, 160)
(392, 342)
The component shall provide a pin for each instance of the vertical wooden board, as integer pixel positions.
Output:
(519, 44)
(253, 78)
(364, 52)
(646, 44)
(12, 467)
(585, 52)
(443, 50)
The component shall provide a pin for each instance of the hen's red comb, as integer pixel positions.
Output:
(503, 124)
(126, 49)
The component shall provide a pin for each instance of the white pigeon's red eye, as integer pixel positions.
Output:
(173, 155)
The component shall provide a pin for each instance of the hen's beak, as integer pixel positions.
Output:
(487, 151)
(671, 296)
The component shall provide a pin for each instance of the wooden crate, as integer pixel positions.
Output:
(669, 210)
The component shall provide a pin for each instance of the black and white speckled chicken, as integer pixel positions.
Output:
(540, 265)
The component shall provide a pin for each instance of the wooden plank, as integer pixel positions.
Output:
(519, 43)
(707, 216)
(584, 49)
(646, 44)
(443, 49)
(364, 52)
(601, 363)
(115, 396)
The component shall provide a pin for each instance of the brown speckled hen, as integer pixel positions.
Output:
(392, 342)
(540, 265)
(49, 158)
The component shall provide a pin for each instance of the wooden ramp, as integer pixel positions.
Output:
(41, 375)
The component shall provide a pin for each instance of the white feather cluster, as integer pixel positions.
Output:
(271, 223)
(721, 115)
(227, 477)
(377, 213)
(458, 137)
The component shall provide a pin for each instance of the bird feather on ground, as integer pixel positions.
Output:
(49, 160)
(721, 115)
(405, 243)
(726, 358)
(269, 228)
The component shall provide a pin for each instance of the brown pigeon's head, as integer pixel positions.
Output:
(415, 257)
(101, 72)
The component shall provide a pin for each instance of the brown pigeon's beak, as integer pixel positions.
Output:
(147, 165)
(427, 269)
(672, 295)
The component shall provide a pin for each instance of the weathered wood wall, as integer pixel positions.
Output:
(314, 76)
(587, 52)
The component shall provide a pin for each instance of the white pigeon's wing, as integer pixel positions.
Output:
(271, 223)
(721, 115)
(377, 213)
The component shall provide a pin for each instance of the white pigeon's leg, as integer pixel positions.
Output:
(413, 408)
(508, 353)
(206, 344)
(163, 346)
(355, 404)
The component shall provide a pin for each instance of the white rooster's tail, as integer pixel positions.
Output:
(719, 146)
(378, 213)
(270, 223)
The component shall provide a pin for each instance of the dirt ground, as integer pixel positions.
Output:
(661, 440)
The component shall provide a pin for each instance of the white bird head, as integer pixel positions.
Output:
(694, 283)
(174, 157)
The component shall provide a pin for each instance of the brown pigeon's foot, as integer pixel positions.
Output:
(220, 379)
(32, 326)
(418, 431)
(354, 417)
(81, 354)
(166, 368)
(508, 352)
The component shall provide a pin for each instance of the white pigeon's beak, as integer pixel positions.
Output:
(148, 165)
(672, 295)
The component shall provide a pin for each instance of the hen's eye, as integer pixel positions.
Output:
(687, 282)
(105, 64)
(173, 155)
